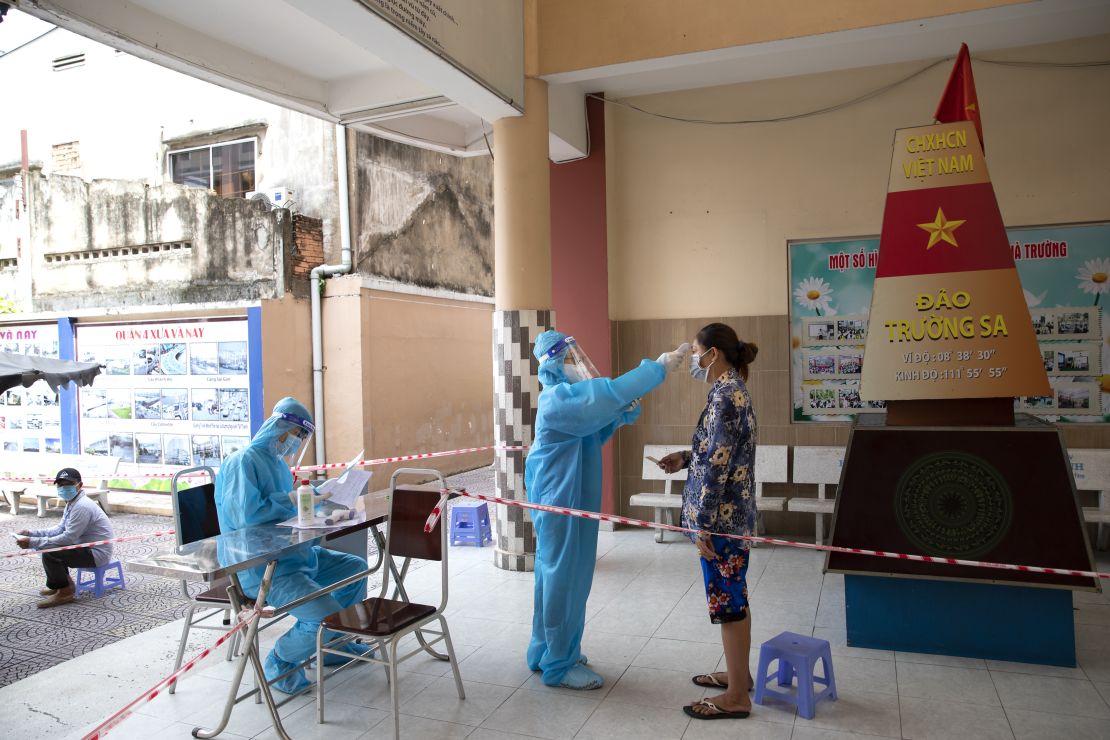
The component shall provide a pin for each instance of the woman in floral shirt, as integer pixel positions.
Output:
(719, 498)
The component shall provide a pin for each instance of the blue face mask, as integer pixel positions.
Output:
(286, 448)
(67, 493)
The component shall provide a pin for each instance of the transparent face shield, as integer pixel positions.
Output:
(577, 363)
(293, 441)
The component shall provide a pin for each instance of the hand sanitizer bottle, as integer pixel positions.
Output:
(304, 503)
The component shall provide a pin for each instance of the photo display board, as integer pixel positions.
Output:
(1064, 277)
(172, 393)
(30, 418)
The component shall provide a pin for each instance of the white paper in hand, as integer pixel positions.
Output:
(346, 489)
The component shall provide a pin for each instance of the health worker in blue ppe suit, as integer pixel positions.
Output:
(577, 413)
(253, 487)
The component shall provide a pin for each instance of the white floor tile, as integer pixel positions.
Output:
(619, 721)
(612, 648)
(342, 722)
(372, 689)
(809, 732)
(1053, 695)
(656, 688)
(862, 711)
(679, 655)
(737, 729)
(952, 661)
(968, 685)
(417, 728)
(499, 664)
(937, 719)
(1034, 669)
(864, 674)
(542, 714)
(440, 701)
(1095, 664)
(1028, 725)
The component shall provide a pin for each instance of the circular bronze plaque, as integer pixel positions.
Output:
(954, 505)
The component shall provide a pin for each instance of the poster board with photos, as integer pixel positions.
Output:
(1063, 271)
(30, 418)
(174, 393)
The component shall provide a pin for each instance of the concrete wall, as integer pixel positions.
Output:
(699, 217)
(406, 373)
(113, 243)
(421, 217)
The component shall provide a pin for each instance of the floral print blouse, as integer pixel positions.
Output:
(720, 489)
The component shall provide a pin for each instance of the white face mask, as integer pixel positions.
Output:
(696, 370)
(573, 373)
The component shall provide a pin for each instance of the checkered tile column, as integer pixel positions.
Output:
(516, 388)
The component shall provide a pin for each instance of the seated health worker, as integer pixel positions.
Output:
(577, 413)
(253, 487)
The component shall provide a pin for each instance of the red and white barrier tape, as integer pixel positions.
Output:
(773, 541)
(437, 510)
(80, 545)
(300, 469)
(408, 458)
(150, 694)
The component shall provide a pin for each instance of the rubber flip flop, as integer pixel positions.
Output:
(709, 681)
(718, 712)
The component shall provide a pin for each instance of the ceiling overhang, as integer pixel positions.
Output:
(336, 60)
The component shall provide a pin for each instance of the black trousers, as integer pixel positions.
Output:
(57, 565)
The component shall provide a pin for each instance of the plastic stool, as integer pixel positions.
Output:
(100, 581)
(797, 656)
(470, 523)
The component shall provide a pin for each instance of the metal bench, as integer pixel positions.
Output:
(666, 502)
(1091, 470)
(770, 467)
(818, 466)
(96, 472)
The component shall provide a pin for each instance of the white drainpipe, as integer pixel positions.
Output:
(326, 271)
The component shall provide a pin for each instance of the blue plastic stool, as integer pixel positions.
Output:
(100, 581)
(470, 523)
(797, 656)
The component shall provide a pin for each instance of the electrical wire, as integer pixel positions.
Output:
(845, 104)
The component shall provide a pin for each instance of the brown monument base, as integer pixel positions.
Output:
(961, 412)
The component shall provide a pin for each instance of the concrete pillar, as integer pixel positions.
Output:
(522, 286)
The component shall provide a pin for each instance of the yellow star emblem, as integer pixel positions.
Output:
(941, 230)
(971, 107)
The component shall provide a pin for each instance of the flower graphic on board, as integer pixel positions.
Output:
(1093, 277)
(813, 293)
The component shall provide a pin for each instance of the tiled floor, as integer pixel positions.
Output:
(32, 640)
(647, 634)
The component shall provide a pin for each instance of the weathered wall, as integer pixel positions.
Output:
(421, 217)
(120, 243)
(385, 385)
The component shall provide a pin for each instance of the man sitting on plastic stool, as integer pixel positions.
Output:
(254, 487)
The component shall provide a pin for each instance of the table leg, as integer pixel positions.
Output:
(250, 653)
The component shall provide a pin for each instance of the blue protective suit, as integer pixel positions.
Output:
(252, 488)
(563, 468)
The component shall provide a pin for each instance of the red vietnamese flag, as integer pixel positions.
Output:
(959, 101)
